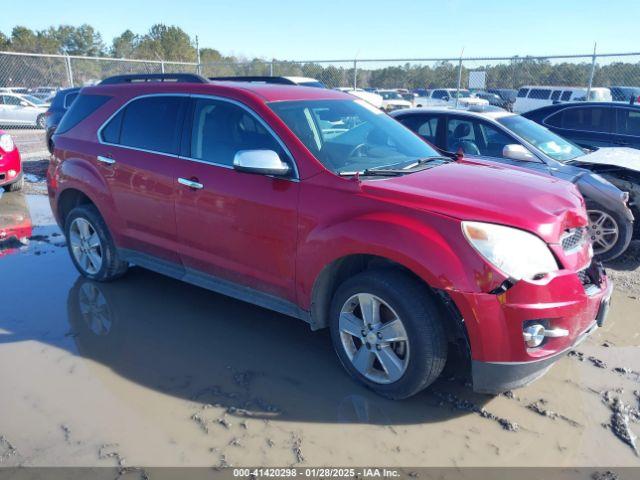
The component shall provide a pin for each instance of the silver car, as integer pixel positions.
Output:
(18, 109)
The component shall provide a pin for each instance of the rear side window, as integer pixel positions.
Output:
(566, 96)
(628, 122)
(539, 93)
(423, 125)
(523, 92)
(151, 123)
(84, 106)
(556, 95)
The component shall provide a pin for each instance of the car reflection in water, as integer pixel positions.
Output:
(15, 223)
(187, 342)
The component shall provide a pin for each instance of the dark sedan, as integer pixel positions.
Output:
(592, 124)
(60, 104)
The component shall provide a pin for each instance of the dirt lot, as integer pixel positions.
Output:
(150, 371)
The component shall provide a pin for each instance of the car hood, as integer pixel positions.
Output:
(491, 193)
(628, 158)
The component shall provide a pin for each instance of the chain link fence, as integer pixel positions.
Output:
(30, 71)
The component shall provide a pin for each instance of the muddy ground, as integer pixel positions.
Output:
(151, 371)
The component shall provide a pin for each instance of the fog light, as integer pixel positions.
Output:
(12, 173)
(534, 335)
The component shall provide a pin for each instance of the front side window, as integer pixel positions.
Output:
(556, 95)
(221, 129)
(543, 139)
(150, 123)
(566, 96)
(476, 137)
(351, 135)
(587, 119)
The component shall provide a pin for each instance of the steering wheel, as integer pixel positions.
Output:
(357, 149)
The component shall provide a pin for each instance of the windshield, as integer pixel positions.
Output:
(351, 135)
(548, 142)
(390, 95)
(34, 100)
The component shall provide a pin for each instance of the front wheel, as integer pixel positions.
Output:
(609, 231)
(388, 332)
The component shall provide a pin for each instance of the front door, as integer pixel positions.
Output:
(235, 226)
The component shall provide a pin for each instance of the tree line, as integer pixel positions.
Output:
(172, 44)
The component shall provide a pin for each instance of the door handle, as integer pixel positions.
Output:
(106, 160)
(190, 183)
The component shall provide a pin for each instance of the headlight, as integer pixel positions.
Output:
(516, 253)
(6, 142)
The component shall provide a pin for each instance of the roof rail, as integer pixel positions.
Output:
(154, 77)
(254, 79)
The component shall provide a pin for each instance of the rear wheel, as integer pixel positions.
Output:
(387, 332)
(610, 233)
(90, 245)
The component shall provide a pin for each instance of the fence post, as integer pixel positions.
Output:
(69, 71)
(198, 69)
(162, 66)
(593, 69)
(459, 77)
(355, 74)
(271, 68)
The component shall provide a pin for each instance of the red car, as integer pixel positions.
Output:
(10, 164)
(319, 206)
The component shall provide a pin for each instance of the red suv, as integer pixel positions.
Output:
(315, 204)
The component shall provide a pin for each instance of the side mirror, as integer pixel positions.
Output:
(518, 152)
(262, 162)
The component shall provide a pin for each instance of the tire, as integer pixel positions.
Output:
(423, 355)
(624, 232)
(15, 186)
(41, 121)
(97, 257)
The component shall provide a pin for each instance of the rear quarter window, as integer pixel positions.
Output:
(81, 108)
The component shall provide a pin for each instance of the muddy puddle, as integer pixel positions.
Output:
(150, 371)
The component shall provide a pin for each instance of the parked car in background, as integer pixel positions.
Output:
(531, 97)
(625, 94)
(592, 124)
(18, 90)
(392, 100)
(373, 98)
(447, 96)
(495, 100)
(408, 96)
(43, 93)
(515, 140)
(302, 81)
(22, 110)
(336, 214)
(507, 94)
(60, 104)
(15, 224)
(10, 164)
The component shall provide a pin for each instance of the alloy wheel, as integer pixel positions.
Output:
(374, 338)
(94, 309)
(85, 245)
(603, 231)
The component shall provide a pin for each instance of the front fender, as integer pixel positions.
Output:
(434, 250)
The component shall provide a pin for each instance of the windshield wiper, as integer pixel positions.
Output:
(373, 172)
(426, 160)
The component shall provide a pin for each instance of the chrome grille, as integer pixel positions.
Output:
(573, 239)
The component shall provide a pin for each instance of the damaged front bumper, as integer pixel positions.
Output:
(564, 300)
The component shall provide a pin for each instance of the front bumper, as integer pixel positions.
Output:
(10, 161)
(565, 300)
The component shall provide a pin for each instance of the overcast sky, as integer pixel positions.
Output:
(328, 29)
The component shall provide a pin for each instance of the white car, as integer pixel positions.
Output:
(392, 100)
(22, 110)
(531, 97)
(447, 96)
(373, 98)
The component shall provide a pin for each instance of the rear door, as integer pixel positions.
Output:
(626, 131)
(234, 226)
(139, 160)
